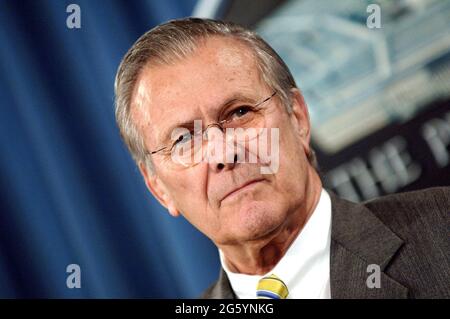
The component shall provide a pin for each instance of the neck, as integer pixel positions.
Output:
(260, 256)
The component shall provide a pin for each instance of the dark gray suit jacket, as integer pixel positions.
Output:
(406, 234)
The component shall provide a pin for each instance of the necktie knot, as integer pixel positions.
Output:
(271, 287)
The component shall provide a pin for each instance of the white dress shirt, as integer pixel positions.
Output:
(305, 268)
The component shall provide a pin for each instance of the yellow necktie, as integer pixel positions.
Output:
(271, 287)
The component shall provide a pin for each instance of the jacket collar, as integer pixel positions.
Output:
(360, 239)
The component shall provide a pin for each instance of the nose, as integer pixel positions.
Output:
(225, 166)
(222, 154)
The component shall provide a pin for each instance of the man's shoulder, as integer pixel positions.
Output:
(208, 292)
(427, 194)
(418, 222)
(221, 289)
(420, 202)
(414, 212)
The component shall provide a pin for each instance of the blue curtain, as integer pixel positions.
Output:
(69, 191)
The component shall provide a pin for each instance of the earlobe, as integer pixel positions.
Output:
(158, 190)
(173, 210)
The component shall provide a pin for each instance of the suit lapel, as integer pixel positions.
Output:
(221, 289)
(359, 239)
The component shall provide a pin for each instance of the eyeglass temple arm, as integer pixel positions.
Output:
(219, 124)
(158, 150)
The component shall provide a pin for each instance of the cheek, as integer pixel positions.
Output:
(193, 204)
(291, 146)
(293, 159)
(185, 192)
(188, 193)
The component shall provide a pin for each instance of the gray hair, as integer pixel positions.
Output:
(174, 40)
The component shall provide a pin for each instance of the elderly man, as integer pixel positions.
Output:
(196, 101)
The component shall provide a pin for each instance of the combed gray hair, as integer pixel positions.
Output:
(171, 42)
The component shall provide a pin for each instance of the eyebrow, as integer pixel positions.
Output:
(236, 97)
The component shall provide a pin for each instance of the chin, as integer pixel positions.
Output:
(256, 219)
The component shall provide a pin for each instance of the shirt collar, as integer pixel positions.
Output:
(295, 267)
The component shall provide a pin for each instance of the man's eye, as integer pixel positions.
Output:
(240, 111)
(184, 138)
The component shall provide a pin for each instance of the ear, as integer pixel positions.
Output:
(300, 118)
(158, 189)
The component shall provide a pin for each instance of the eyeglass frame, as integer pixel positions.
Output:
(218, 124)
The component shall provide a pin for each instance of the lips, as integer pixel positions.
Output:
(245, 185)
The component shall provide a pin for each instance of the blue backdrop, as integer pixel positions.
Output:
(69, 191)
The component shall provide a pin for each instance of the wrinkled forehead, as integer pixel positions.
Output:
(194, 86)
